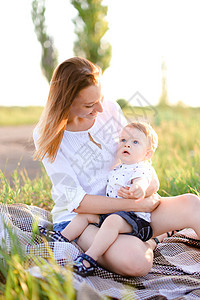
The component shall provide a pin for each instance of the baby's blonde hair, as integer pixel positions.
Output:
(148, 131)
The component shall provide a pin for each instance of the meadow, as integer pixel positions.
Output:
(17, 115)
(177, 162)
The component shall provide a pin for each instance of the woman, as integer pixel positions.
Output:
(76, 141)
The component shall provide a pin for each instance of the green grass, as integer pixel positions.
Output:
(20, 189)
(177, 159)
(12, 116)
(54, 281)
(177, 163)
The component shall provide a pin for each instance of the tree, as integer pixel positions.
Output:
(123, 103)
(163, 101)
(90, 27)
(49, 58)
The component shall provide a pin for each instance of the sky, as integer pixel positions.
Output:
(142, 34)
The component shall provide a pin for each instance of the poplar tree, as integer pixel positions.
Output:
(49, 59)
(90, 28)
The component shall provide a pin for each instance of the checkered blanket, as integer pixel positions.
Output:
(175, 273)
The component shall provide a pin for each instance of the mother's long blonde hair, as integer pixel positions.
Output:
(68, 79)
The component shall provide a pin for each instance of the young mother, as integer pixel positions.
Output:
(76, 139)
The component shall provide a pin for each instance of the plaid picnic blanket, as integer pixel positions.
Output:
(175, 273)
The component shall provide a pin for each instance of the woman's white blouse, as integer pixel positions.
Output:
(81, 167)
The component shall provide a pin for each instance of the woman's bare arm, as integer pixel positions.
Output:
(102, 205)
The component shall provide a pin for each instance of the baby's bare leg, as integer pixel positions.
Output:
(107, 235)
(128, 255)
(78, 225)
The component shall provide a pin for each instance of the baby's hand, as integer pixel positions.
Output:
(137, 191)
(124, 192)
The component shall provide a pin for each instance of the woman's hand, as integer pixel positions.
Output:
(143, 204)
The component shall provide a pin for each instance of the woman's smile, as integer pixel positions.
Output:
(94, 114)
(88, 103)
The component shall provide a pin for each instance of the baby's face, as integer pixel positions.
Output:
(133, 146)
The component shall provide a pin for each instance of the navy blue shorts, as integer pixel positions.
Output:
(140, 228)
(60, 226)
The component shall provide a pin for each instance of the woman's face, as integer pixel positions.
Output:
(87, 104)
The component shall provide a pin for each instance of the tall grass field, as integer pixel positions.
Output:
(17, 115)
(176, 161)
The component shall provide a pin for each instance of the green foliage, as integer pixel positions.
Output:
(49, 58)
(90, 27)
(15, 115)
(124, 104)
(17, 282)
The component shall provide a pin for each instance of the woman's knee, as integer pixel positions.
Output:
(188, 215)
(193, 204)
(191, 201)
(194, 198)
(139, 264)
(130, 258)
(189, 197)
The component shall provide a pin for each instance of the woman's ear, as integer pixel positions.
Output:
(149, 154)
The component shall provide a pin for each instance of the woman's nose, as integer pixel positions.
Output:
(99, 107)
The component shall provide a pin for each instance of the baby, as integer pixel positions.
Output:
(137, 144)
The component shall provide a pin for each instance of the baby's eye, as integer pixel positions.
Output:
(135, 142)
(123, 140)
